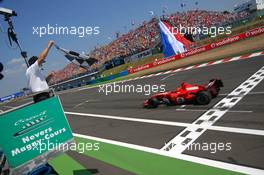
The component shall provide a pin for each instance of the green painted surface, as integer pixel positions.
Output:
(65, 165)
(145, 163)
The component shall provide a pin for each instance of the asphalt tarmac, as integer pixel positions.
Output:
(122, 117)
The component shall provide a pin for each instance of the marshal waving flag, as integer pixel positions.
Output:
(172, 42)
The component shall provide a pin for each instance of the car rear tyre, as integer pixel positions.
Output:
(153, 103)
(203, 98)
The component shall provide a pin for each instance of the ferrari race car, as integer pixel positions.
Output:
(186, 94)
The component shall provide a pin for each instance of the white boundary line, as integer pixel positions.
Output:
(179, 124)
(186, 137)
(198, 160)
(164, 78)
(159, 122)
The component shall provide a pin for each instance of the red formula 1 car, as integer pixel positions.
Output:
(186, 94)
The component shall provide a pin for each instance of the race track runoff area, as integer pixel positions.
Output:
(228, 133)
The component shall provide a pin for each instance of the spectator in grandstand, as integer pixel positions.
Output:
(36, 80)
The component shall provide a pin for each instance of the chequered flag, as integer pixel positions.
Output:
(81, 60)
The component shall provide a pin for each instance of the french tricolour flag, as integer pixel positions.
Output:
(172, 42)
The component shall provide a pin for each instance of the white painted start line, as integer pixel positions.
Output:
(198, 160)
(186, 137)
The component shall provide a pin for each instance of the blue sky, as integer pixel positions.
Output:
(110, 15)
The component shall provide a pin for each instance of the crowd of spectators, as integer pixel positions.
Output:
(67, 72)
(202, 18)
(147, 36)
(135, 41)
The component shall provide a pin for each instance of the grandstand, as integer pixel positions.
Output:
(147, 35)
(145, 40)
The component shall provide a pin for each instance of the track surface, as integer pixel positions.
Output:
(247, 149)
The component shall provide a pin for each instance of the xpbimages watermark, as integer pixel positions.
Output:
(213, 31)
(146, 89)
(212, 147)
(79, 31)
(79, 147)
(42, 147)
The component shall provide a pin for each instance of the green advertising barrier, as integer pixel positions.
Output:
(33, 134)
